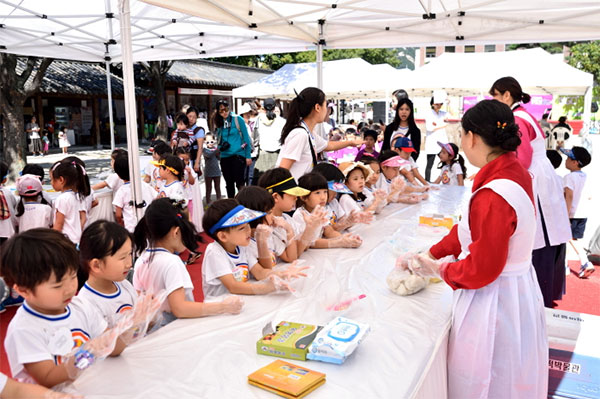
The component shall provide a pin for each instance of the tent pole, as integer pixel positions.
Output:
(110, 108)
(130, 111)
(587, 108)
(320, 45)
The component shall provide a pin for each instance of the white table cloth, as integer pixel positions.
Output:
(404, 355)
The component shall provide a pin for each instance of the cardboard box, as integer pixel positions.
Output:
(574, 361)
(437, 220)
(290, 340)
(286, 379)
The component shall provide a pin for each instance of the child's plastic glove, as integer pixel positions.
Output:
(313, 224)
(398, 185)
(262, 233)
(347, 240)
(94, 350)
(59, 395)
(232, 304)
(379, 201)
(409, 199)
(423, 265)
(143, 313)
(292, 271)
(361, 217)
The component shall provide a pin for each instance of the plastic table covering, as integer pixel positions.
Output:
(404, 355)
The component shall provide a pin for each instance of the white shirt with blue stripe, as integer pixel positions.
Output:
(112, 305)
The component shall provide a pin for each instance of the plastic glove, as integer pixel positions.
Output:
(398, 185)
(347, 240)
(423, 265)
(278, 283)
(403, 261)
(280, 222)
(143, 313)
(232, 304)
(313, 224)
(361, 217)
(262, 233)
(292, 271)
(59, 395)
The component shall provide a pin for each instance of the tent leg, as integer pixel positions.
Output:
(110, 108)
(130, 112)
(587, 108)
(320, 66)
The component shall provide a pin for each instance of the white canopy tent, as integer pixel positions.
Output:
(110, 31)
(537, 71)
(342, 79)
(392, 23)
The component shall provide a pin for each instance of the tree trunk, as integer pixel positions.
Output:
(15, 143)
(157, 72)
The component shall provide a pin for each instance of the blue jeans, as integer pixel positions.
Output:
(249, 173)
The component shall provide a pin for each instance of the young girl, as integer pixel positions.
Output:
(403, 125)
(63, 139)
(189, 177)
(32, 210)
(227, 264)
(112, 180)
(171, 171)
(373, 164)
(105, 254)
(46, 142)
(391, 182)
(8, 221)
(280, 243)
(89, 200)
(68, 177)
(151, 171)
(212, 170)
(410, 170)
(160, 234)
(452, 165)
(319, 193)
(499, 320)
(360, 200)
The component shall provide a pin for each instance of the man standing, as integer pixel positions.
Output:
(34, 134)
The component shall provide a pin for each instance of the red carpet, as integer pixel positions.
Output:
(194, 269)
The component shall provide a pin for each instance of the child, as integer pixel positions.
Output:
(112, 180)
(319, 194)
(391, 182)
(160, 234)
(51, 323)
(359, 200)
(37, 170)
(452, 165)
(105, 254)
(46, 142)
(122, 199)
(32, 210)
(212, 169)
(171, 171)
(8, 221)
(12, 389)
(373, 164)
(370, 137)
(151, 175)
(281, 244)
(495, 276)
(189, 177)
(227, 264)
(63, 139)
(182, 136)
(338, 219)
(68, 178)
(404, 147)
(89, 200)
(284, 190)
(577, 158)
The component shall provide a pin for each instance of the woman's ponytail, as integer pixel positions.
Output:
(461, 162)
(300, 108)
(141, 235)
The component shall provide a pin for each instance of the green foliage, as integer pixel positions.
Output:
(276, 61)
(586, 57)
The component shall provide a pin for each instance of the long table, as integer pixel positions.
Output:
(404, 355)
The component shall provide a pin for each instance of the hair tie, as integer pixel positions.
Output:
(299, 96)
(501, 125)
(178, 215)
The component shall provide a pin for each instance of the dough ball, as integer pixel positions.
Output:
(403, 282)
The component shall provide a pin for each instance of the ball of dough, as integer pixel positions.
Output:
(403, 282)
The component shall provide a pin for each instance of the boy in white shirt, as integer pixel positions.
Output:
(42, 266)
(404, 147)
(122, 199)
(577, 158)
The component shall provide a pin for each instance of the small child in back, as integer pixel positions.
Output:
(359, 199)
(452, 165)
(68, 178)
(112, 181)
(228, 263)
(160, 234)
(32, 210)
(577, 158)
(212, 169)
(404, 147)
(182, 136)
(171, 170)
(151, 171)
(42, 264)
(122, 199)
(8, 220)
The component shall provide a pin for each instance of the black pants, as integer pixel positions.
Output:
(430, 161)
(233, 169)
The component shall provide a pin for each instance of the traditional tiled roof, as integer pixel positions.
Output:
(211, 73)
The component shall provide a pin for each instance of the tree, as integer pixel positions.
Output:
(157, 72)
(586, 57)
(15, 88)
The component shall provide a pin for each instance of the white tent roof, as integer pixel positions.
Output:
(537, 71)
(79, 29)
(393, 23)
(342, 79)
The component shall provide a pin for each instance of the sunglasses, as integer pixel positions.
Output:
(224, 109)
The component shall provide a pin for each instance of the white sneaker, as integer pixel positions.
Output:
(586, 270)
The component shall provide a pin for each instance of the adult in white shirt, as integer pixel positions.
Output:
(435, 124)
(299, 143)
(269, 126)
(34, 134)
